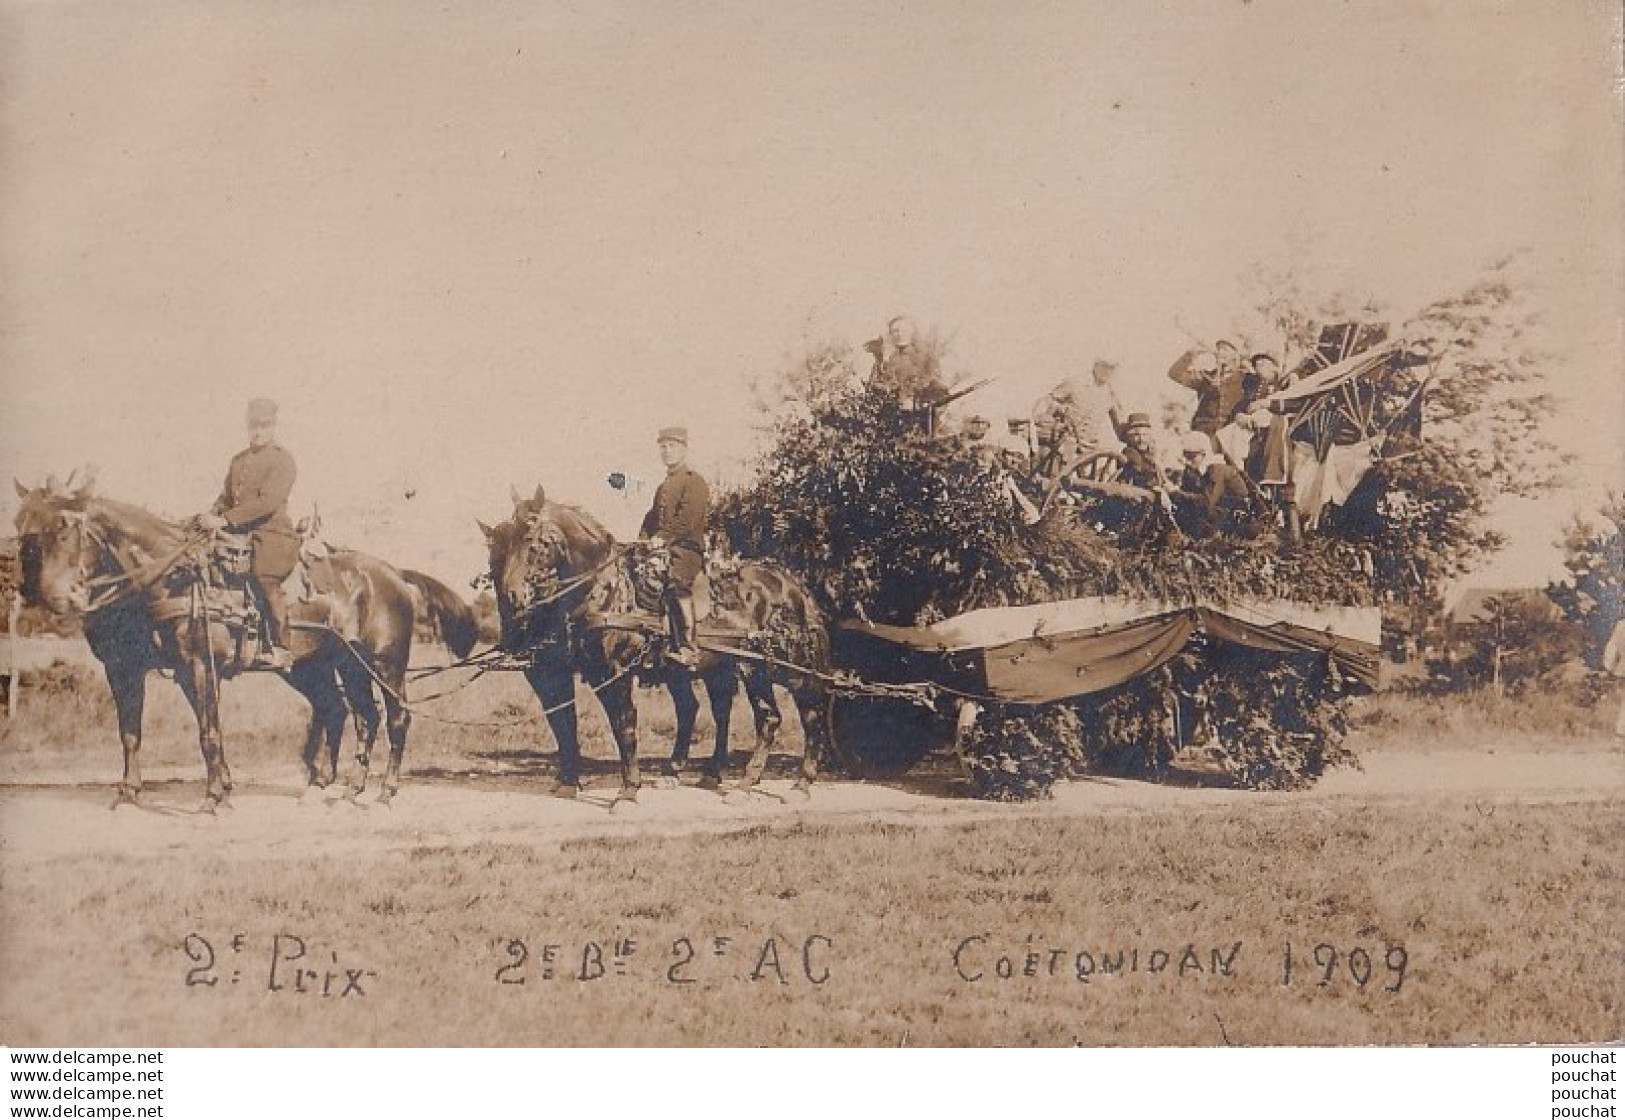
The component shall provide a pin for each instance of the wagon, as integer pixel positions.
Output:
(1054, 652)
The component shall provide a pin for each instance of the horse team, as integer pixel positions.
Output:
(566, 597)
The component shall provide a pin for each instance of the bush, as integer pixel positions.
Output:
(890, 526)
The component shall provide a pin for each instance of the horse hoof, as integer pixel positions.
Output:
(801, 791)
(386, 799)
(565, 791)
(711, 781)
(207, 809)
(624, 801)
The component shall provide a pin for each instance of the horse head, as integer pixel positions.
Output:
(538, 558)
(57, 545)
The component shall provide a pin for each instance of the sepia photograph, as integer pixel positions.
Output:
(812, 525)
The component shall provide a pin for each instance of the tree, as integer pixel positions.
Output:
(1593, 595)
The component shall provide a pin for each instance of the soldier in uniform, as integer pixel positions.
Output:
(1210, 490)
(1220, 384)
(1140, 466)
(254, 500)
(1078, 418)
(973, 440)
(908, 371)
(677, 521)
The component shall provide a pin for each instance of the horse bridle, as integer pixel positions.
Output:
(125, 582)
(546, 585)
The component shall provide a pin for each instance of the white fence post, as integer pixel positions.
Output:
(14, 688)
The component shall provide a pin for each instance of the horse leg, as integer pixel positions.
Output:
(556, 690)
(129, 685)
(812, 703)
(320, 693)
(364, 709)
(765, 707)
(681, 687)
(721, 686)
(319, 688)
(203, 693)
(619, 706)
(399, 723)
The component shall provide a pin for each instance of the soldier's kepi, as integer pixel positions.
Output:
(677, 519)
(254, 500)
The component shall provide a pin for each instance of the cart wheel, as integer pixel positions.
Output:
(879, 737)
(1103, 466)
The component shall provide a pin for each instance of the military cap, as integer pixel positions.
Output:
(261, 411)
(1136, 420)
(673, 435)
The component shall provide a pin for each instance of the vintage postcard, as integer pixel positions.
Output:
(811, 525)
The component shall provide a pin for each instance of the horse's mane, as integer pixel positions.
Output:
(138, 521)
(586, 539)
(589, 527)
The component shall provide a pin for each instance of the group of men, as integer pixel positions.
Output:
(1236, 445)
(1074, 420)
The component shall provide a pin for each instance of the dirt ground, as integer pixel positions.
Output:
(55, 818)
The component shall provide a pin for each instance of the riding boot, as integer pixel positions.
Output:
(276, 624)
(682, 642)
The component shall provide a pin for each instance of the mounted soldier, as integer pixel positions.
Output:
(254, 501)
(677, 521)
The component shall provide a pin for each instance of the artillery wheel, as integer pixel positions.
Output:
(881, 737)
(1103, 466)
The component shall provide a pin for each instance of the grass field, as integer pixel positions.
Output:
(1421, 902)
(1474, 927)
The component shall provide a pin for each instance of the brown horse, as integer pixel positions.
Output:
(135, 578)
(566, 600)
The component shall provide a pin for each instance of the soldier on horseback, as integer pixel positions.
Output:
(677, 521)
(254, 500)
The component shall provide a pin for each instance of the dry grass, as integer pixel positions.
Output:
(1578, 710)
(1508, 918)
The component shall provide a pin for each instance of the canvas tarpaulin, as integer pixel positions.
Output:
(1051, 651)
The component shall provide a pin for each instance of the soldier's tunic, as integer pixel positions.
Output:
(682, 504)
(255, 500)
(1140, 469)
(1219, 396)
(911, 375)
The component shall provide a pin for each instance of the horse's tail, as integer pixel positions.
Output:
(446, 609)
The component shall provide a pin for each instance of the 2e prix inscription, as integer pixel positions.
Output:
(680, 962)
(286, 963)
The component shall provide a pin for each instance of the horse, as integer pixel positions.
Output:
(136, 579)
(567, 603)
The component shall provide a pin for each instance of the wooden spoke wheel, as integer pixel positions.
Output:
(882, 736)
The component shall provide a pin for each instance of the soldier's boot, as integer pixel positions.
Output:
(276, 655)
(682, 637)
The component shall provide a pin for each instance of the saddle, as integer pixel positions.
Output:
(648, 570)
(219, 574)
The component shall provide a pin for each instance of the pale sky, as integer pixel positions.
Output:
(469, 246)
